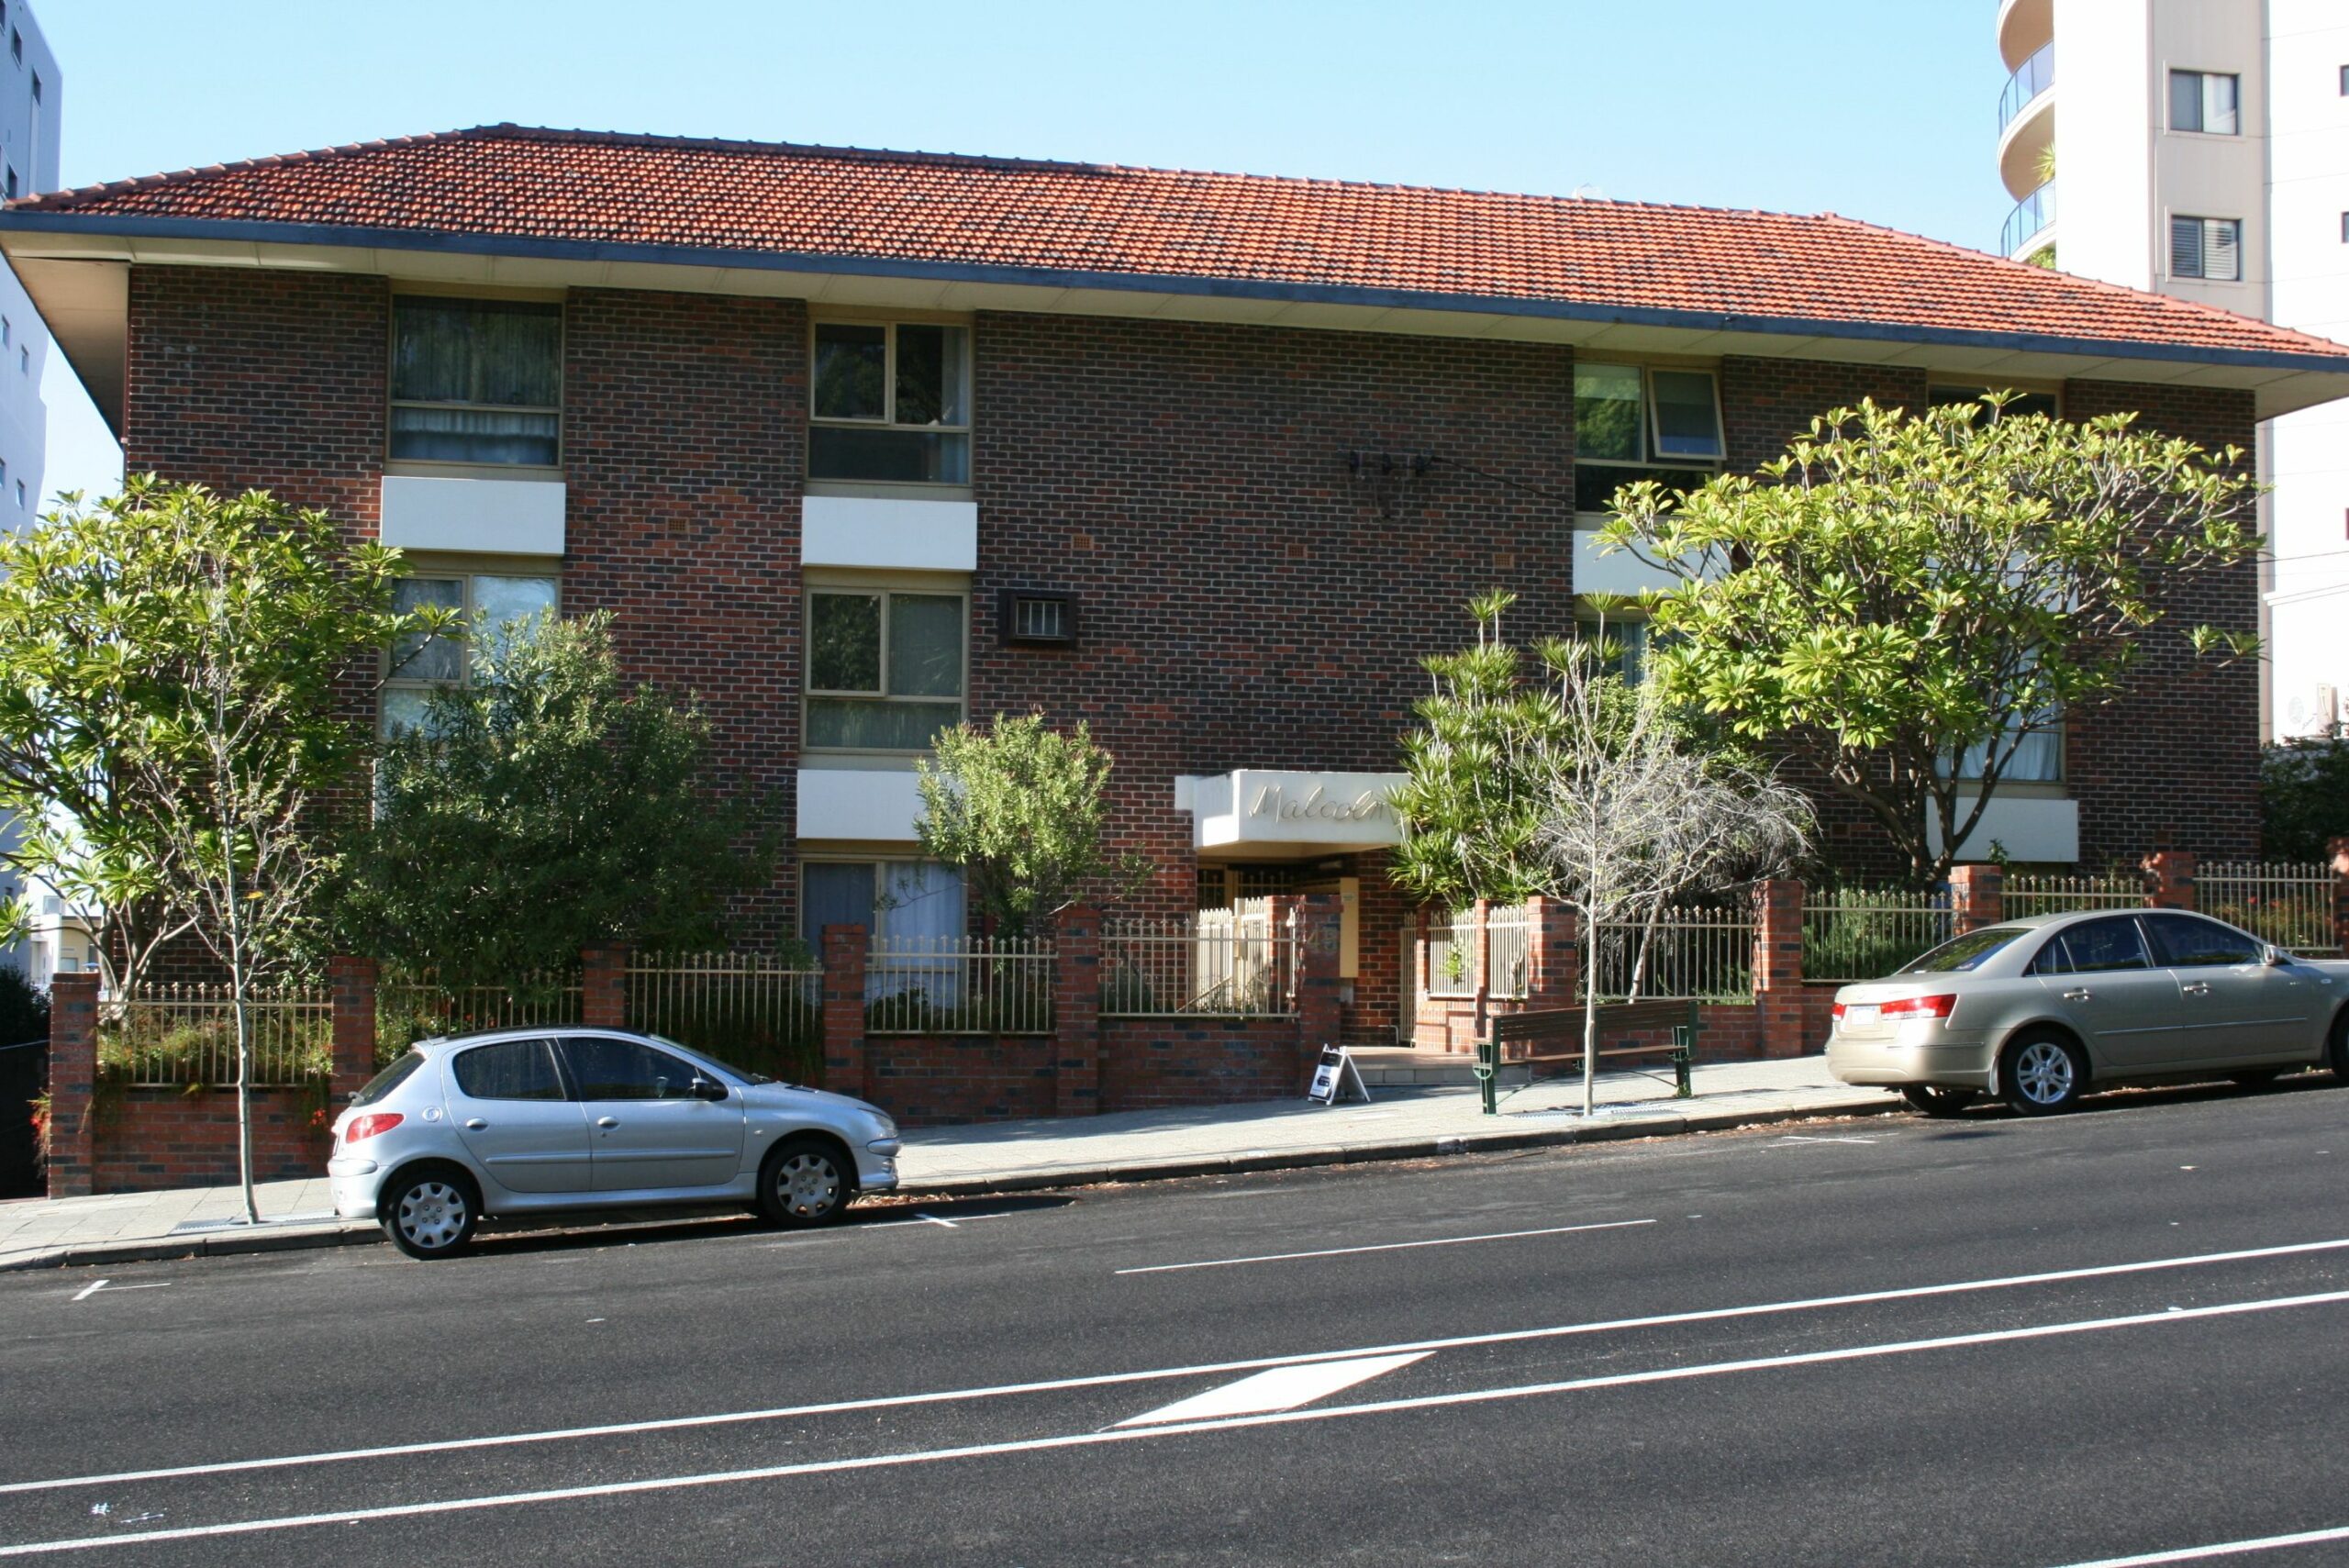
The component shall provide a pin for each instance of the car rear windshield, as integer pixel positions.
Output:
(1971, 950)
(390, 1078)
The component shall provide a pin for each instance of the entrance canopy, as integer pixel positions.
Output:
(1273, 812)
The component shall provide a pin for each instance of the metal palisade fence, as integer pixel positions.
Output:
(2287, 904)
(1853, 932)
(1704, 954)
(1240, 962)
(1508, 949)
(2026, 894)
(412, 1008)
(186, 1036)
(1452, 955)
(959, 985)
(761, 1012)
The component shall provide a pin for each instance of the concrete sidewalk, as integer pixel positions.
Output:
(1401, 1124)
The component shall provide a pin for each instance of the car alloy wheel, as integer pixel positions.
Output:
(804, 1184)
(2044, 1075)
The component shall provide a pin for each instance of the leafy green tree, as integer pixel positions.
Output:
(110, 612)
(544, 806)
(1019, 808)
(1907, 591)
(2303, 798)
(170, 732)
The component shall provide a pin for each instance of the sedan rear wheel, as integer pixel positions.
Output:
(1934, 1100)
(805, 1183)
(2044, 1074)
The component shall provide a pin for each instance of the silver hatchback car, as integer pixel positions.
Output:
(538, 1121)
(2037, 1011)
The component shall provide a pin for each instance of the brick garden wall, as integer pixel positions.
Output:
(155, 1139)
(927, 1080)
(1151, 1062)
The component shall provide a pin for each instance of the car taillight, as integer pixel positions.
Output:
(1921, 1007)
(368, 1126)
(1839, 1012)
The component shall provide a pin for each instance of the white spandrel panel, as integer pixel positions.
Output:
(482, 517)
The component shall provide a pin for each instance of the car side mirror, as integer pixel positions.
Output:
(2275, 957)
(703, 1089)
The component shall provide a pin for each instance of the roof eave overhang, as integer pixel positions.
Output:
(74, 265)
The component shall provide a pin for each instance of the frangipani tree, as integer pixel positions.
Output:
(1907, 593)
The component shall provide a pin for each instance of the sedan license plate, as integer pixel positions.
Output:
(1860, 1015)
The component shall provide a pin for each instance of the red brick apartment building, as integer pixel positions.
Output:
(855, 444)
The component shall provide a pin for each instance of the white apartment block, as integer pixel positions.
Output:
(32, 93)
(2205, 153)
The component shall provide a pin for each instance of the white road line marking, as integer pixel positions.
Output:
(1385, 1247)
(102, 1285)
(1133, 1434)
(1207, 1369)
(1281, 1389)
(2223, 1549)
(1801, 1138)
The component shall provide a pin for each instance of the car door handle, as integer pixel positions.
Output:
(2079, 996)
(2197, 988)
(475, 1124)
(607, 1121)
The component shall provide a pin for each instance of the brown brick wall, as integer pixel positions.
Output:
(684, 424)
(1151, 1062)
(155, 1139)
(1244, 600)
(2175, 762)
(931, 1080)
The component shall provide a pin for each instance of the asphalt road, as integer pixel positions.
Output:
(1884, 1340)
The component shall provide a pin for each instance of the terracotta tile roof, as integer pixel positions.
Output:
(1590, 257)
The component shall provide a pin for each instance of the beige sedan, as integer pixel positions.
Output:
(2038, 1011)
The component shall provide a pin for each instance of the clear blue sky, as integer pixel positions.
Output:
(1883, 110)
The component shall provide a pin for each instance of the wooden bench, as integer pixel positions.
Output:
(1530, 1039)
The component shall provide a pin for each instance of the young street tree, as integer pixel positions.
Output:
(1018, 809)
(1546, 772)
(1915, 600)
(169, 661)
(542, 806)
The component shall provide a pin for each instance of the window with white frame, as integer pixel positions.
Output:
(2206, 101)
(885, 667)
(489, 607)
(890, 403)
(476, 381)
(2037, 757)
(1634, 422)
(2208, 248)
(906, 901)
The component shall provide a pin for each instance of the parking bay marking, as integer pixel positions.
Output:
(1386, 1247)
(1173, 1428)
(98, 1285)
(1104, 1380)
